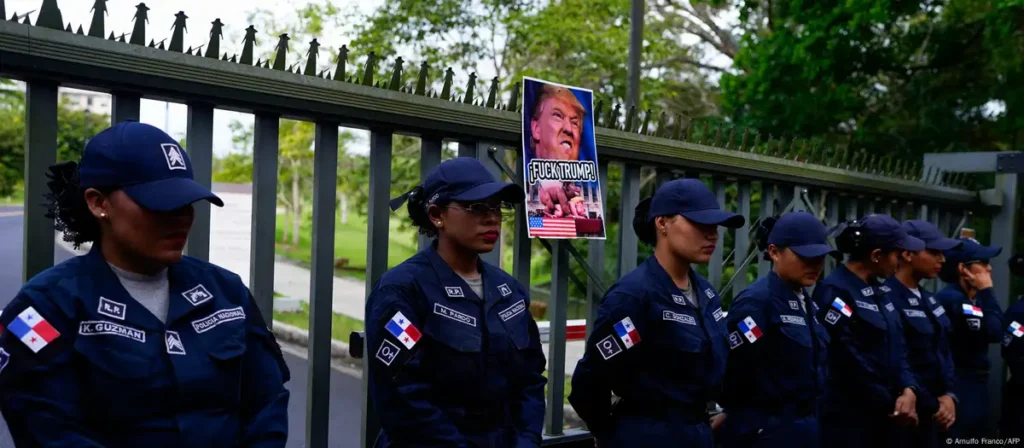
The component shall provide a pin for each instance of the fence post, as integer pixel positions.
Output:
(321, 284)
(596, 254)
(742, 247)
(715, 267)
(1004, 232)
(430, 158)
(628, 240)
(558, 306)
(831, 220)
(40, 153)
(125, 107)
(200, 152)
(264, 213)
(767, 211)
(522, 251)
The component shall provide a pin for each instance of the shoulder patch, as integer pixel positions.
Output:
(627, 332)
(750, 329)
(939, 311)
(678, 317)
(387, 352)
(735, 340)
(402, 329)
(931, 300)
(457, 316)
(974, 324)
(797, 320)
(1015, 329)
(32, 329)
(832, 317)
(608, 347)
(841, 306)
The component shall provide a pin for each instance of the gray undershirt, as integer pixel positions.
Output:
(690, 297)
(151, 291)
(803, 299)
(916, 291)
(476, 284)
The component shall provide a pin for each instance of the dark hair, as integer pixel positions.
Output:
(645, 230)
(65, 204)
(851, 241)
(417, 208)
(764, 229)
(950, 273)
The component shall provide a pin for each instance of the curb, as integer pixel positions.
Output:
(339, 352)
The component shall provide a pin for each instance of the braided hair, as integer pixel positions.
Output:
(417, 208)
(66, 206)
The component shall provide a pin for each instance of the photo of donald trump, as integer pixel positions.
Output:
(558, 126)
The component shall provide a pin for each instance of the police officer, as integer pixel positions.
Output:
(659, 340)
(871, 392)
(925, 329)
(1012, 423)
(971, 305)
(457, 359)
(134, 345)
(777, 363)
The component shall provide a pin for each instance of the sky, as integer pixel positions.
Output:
(200, 14)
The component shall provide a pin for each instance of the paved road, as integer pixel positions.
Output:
(345, 389)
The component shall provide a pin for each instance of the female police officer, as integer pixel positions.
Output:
(926, 327)
(972, 308)
(457, 356)
(870, 387)
(134, 345)
(659, 341)
(776, 369)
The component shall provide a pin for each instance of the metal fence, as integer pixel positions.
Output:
(833, 181)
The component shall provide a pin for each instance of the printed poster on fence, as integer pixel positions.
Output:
(563, 189)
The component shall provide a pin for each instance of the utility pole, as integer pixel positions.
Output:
(636, 41)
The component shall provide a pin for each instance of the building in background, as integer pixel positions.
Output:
(86, 101)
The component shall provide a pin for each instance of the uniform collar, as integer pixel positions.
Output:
(781, 291)
(455, 287)
(664, 284)
(849, 279)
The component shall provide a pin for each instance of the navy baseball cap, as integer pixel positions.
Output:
(802, 233)
(463, 179)
(971, 250)
(930, 234)
(693, 200)
(145, 163)
(886, 232)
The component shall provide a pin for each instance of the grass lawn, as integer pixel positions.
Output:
(341, 325)
(18, 198)
(349, 242)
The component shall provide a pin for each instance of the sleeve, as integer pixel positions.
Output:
(907, 378)
(605, 360)
(844, 352)
(946, 364)
(398, 386)
(39, 391)
(265, 399)
(950, 301)
(992, 321)
(744, 356)
(531, 409)
(1013, 345)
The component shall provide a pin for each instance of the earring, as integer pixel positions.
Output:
(103, 215)
(874, 261)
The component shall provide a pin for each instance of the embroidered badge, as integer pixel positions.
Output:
(679, 300)
(173, 342)
(865, 305)
(931, 300)
(102, 327)
(1015, 329)
(403, 330)
(842, 307)
(627, 332)
(678, 317)
(915, 313)
(889, 307)
(608, 347)
(513, 310)
(913, 301)
(798, 320)
(939, 311)
(718, 315)
(867, 292)
(387, 352)
(504, 290)
(453, 291)
(972, 310)
(735, 340)
(710, 293)
(885, 288)
(172, 153)
(974, 324)
(794, 305)
(750, 329)
(197, 295)
(457, 316)
(218, 317)
(111, 308)
(33, 330)
(832, 317)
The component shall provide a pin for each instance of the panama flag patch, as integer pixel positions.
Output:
(750, 329)
(972, 310)
(1016, 329)
(627, 332)
(840, 305)
(33, 330)
(403, 330)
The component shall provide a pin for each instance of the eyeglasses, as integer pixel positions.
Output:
(503, 211)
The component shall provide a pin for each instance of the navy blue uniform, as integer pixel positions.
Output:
(868, 367)
(1012, 424)
(926, 329)
(775, 374)
(452, 369)
(976, 324)
(661, 355)
(102, 371)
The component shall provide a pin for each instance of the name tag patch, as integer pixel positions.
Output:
(513, 310)
(865, 305)
(832, 317)
(173, 342)
(212, 321)
(608, 347)
(884, 288)
(939, 311)
(504, 290)
(867, 292)
(111, 308)
(798, 320)
(678, 317)
(459, 317)
(717, 315)
(974, 324)
(889, 307)
(387, 352)
(931, 300)
(102, 327)
(197, 295)
(915, 313)
(735, 340)
(453, 291)
(793, 305)
(710, 293)
(913, 301)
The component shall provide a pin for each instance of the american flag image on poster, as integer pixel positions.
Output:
(552, 227)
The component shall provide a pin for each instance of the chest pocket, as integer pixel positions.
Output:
(869, 318)
(515, 316)
(681, 329)
(121, 375)
(919, 321)
(796, 334)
